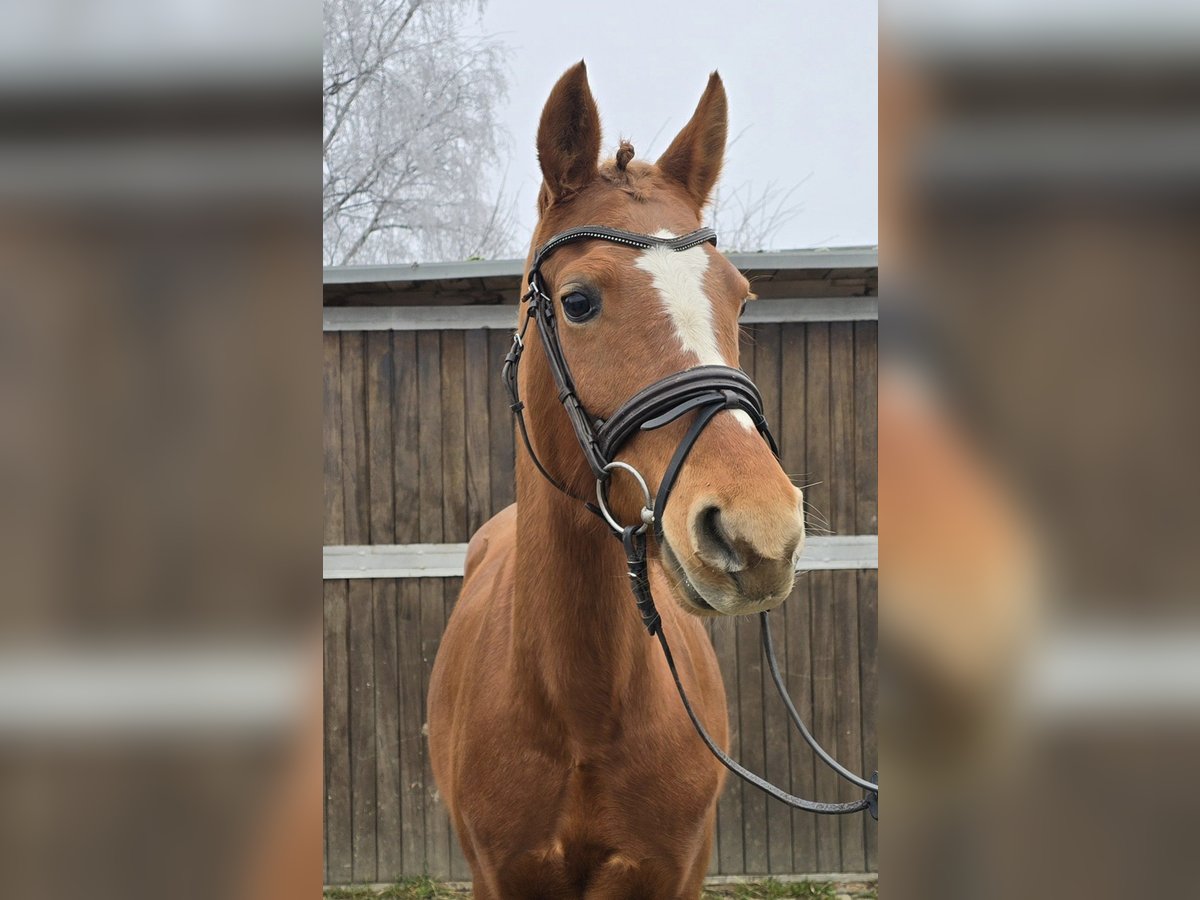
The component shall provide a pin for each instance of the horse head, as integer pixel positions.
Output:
(628, 317)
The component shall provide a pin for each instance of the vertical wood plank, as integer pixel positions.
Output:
(845, 586)
(406, 464)
(797, 662)
(454, 440)
(356, 501)
(409, 665)
(335, 625)
(821, 630)
(849, 712)
(866, 480)
(842, 486)
(790, 429)
(334, 528)
(750, 711)
(500, 426)
(767, 371)
(458, 868)
(361, 639)
(410, 676)
(380, 382)
(338, 844)
(798, 679)
(866, 427)
(817, 425)
(437, 832)
(730, 843)
(429, 445)
(747, 336)
(389, 852)
(361, 650)
(824, 718)
(776, 729)
(432, 596)
(478, 429)
(868, 631)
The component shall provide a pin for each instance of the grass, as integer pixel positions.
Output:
(774, 890)
(408, 889)
(428, 889)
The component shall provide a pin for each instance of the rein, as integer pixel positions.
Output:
(705, 390)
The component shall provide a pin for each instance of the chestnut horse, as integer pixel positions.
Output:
(568, 764)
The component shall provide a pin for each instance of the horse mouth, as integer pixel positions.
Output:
(718, 601)
(683, 585)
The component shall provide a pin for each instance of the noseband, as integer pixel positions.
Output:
(704, 390)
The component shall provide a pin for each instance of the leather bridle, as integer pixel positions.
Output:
(704, 390)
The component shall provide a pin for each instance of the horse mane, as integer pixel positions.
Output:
(634, 177)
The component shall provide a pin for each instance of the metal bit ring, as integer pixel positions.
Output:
(602, 497)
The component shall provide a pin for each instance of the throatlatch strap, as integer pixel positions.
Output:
(508, 375)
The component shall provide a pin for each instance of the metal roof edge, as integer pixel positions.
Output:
(815, 258)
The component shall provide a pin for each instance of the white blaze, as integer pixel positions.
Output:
(678, 276)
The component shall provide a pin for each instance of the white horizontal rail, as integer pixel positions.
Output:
(394, 561)
(811, 309)
(418, 318)
(447, 560)
(1114, 673)
(144, 688)
(832, 551)
(504, 316)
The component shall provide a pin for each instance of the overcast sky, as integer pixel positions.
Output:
(801, 79)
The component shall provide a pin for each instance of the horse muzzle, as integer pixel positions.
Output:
(723, 574)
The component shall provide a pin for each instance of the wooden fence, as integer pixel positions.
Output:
(419, 449)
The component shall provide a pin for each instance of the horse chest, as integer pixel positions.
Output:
(618, 801)
(591, 824)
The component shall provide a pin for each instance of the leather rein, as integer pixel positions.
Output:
(704, 390)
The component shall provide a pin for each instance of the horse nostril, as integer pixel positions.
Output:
(713, 545)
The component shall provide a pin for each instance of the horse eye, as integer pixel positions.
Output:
(743, 309)
(579, 307)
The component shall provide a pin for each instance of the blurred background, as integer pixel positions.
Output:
(160, 444)
(1040, 654)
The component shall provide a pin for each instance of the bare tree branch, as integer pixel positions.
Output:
(748, 220)
(411, 137)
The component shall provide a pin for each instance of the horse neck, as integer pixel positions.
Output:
(577, 635)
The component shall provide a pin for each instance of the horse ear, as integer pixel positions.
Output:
(695, 156)
(568, 140)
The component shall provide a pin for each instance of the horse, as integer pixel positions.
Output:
(558, 743)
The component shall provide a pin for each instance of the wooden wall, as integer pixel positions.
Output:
(419, 449)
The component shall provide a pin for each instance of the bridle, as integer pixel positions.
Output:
(704, 390)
